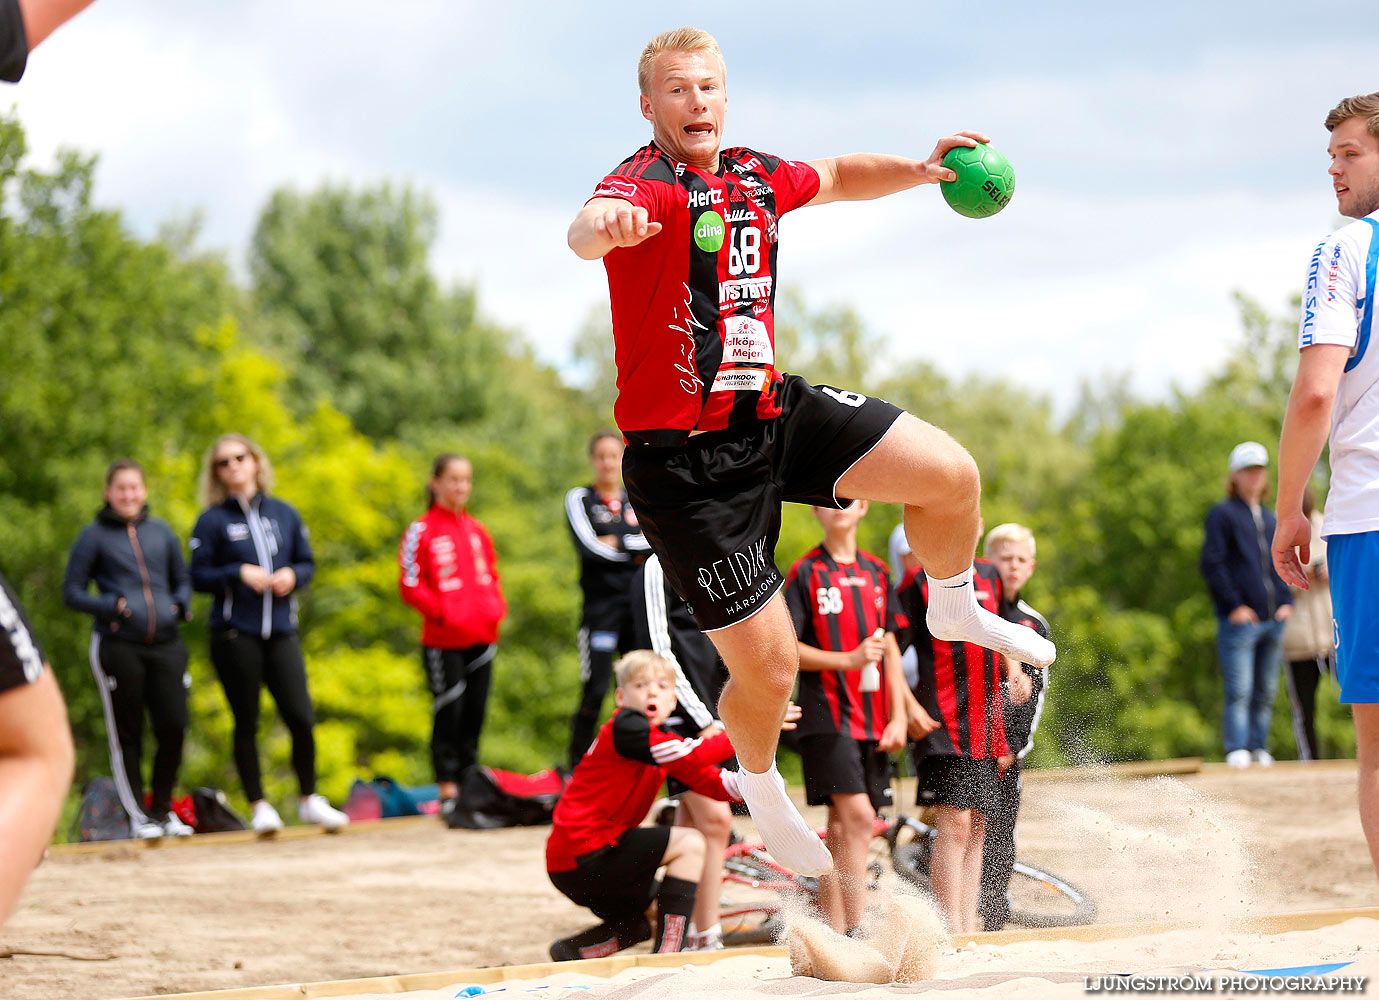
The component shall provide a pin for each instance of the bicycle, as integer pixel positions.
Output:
(756, 887)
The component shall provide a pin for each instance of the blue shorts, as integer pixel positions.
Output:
(1353, 562)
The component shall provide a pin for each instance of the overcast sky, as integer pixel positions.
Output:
(1166, 155)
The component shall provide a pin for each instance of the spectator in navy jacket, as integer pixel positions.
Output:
(137, 653)
(1252, 603)
(250, 553)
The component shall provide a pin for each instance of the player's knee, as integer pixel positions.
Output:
(856, 815)
(716, 824)
(954, 822)
(689, 845)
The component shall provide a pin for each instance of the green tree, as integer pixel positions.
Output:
(343, 286)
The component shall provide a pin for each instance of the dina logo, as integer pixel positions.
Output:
(709, 231)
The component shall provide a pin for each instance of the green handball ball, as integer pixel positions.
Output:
(985, 181)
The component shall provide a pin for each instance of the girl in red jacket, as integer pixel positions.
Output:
(450, 575)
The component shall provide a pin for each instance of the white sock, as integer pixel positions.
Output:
(787, 836)
(955, 616)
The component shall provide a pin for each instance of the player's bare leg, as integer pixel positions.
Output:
(922, 467)
(35, 773)
(842, 892)
(972, 872)
(762, 658)
(1367, 762)
(714, 820)
(947, 863)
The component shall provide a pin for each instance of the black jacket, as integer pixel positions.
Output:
(139, 560)
(266, 532)
(1236, 560)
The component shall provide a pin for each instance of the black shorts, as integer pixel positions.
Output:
(841, 765)
(21, 657)
(711, 508)
(617, 882)
(959, 782)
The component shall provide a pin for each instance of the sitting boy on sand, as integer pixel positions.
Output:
(597, 854)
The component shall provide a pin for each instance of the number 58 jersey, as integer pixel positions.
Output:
(693, 306)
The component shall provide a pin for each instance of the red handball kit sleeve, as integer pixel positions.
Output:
(618, 779)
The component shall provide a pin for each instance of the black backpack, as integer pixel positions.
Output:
(213, 813)
(102, 816)
(491, 797)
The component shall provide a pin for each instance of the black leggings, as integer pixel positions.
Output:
(459, 681)
(998, 853)
(1302, 677)
(598, 648)
(130, 677)
(245, 664)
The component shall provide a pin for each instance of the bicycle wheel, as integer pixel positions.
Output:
(911, 843)
(751, 894)
(1041, 899)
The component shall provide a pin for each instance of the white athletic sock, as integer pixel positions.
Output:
(954, 615)
(787, 836)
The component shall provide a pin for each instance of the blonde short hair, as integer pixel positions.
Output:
(1364, 106)
(684, 39)
(642, 661)
(212, 490)
(1008, 532)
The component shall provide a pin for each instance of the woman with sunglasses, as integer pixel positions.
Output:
(250, 552)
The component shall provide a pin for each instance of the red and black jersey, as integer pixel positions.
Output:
(959, 682)
(693, 307)
(835, 606)
(618, 778)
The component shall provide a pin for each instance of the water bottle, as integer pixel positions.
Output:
(871, 672)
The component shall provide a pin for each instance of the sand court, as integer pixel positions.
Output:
(1194, 855)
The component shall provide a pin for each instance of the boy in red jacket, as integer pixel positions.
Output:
(597, 854)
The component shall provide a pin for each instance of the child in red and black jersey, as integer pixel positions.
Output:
(960, 686)
(597, 854)
(844, 613)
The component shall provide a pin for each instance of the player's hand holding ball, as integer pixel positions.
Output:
(976, 180)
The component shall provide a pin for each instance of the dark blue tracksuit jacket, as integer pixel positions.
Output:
(139, 560)
(1236, 560)
(266, 532)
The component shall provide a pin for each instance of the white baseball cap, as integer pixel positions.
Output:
(1248, 454)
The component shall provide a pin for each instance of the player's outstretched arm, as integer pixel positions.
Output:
(1305, 427)
(43, 17)
(35, 773)
(605, 224)
(865, 176)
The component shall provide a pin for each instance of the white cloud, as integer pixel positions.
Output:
(1149, 188)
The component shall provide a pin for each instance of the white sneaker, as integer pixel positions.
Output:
(1263, 758)
(265, 818)
(709, 940)
(315, 809)
(174, 827)
(1238, 758)
(147, 830)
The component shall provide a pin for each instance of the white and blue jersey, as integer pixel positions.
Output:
(1338, 308)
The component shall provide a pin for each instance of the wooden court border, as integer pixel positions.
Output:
(607, 968)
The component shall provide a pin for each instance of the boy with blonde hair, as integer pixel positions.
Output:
(1011, 548)
(597, 854)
